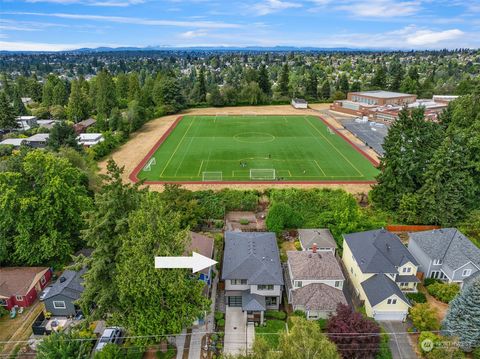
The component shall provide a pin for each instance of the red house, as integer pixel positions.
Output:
(21, 285)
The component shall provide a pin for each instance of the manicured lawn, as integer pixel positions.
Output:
(226, 148)
(273, 326)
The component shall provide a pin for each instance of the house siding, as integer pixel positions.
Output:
(424, 261)
(383, 307)
(357, 277)
(457, 274)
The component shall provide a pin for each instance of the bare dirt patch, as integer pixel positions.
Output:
(131, 153)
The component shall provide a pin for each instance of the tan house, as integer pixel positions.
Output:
(381, 269)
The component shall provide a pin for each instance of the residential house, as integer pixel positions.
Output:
(82, 126)
(381, 269)
(322, 238)
(38, 140)
(202, 245)
(20, 286)
(15, 142)
(89, 139)
(60, 300)
(25, 123)
(314, 282)
(252, 273)
(445, 254)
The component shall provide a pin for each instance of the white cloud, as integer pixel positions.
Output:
(428, 37)
(269, 6)
(193, 34)
(132, 20)
(380, 8)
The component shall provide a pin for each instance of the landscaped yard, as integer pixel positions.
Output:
(266, 332)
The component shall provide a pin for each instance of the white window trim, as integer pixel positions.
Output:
(466, 272)
(59, 307)
(437, 262)
(19, 297)
(43, 280)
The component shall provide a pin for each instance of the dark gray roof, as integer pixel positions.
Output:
(379, 287)
(253, 302)
(449, 245)
(378, 251)
(252, 256)
(475, 277)
(71, 286)
(322, 237)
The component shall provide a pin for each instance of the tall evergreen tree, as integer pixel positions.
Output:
(133, 87)
(264, 80)
(343, 84)
(200, 87)
(59, 94)
(379, 79)
(77, 109)
(463, 316)
(284, 80)
(409, 148)
(396, 74)
(19, 108)
(325, 90)
(312, 85)
(105, 99)
(7, 115)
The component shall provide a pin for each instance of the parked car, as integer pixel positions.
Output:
(112, 335)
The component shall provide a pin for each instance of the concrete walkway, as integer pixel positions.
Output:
(180, 344)
(400, 344)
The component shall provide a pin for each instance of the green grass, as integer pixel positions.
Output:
(298, 148)
(273, 326)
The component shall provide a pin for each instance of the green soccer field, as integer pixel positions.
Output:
(255, 148)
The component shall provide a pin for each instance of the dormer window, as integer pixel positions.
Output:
(466, 272)
(406, 270)
(437, 262)
(391, 301)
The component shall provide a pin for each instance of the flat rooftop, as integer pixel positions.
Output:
(382, 94)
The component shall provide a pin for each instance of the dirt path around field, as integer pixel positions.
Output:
(131, 153)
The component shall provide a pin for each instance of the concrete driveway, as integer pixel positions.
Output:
(235, 340)
(399, 340)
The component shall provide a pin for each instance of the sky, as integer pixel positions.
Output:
(54, 25)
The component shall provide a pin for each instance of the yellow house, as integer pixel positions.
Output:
(381, 269)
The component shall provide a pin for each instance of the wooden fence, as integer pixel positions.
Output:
(409, 228)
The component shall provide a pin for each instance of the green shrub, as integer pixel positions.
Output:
(221, 322)
(430, 281)
(214, 337)
(417, 297)
(3, 312)
(276, 314)
(322, 323)
(384, 351)
(298, 246)
(218, 316)
(444, 292)
(299, 313)
(424, 317)
(427, 336)
(445, 353)
(281, 216)
(219, 345)
(218, 224)
(244, 221)
(476, 353)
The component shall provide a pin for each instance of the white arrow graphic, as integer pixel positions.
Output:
(196, 262)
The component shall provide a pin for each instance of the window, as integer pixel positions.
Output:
(265, 287)
(3, 302)
(270, 300)
(238, 281)
(19, 297)
(43, 280)
(466, 272)
(437, 262)
(391, 301)
(407, 270)
(337, 283)
(298, 284)
(403, 284)
(59, 304)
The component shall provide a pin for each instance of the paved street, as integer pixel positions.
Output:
(399, 341)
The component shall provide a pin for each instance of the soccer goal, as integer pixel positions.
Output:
(262, 174)
(332, 132)
(150, 163)
(212, 176)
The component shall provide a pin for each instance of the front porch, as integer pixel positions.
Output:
(407, 283)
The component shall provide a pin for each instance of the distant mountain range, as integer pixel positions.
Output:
(208, 48)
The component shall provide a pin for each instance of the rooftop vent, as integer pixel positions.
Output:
(62, 279)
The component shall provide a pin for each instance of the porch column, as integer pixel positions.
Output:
(261, 316)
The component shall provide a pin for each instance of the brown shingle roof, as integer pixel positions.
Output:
(318, 296)
(19, 280)
(202, 245)
(311, 266)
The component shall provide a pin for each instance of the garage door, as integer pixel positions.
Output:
(400, 316)
(235, 301)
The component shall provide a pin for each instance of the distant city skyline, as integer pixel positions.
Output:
(55, 25)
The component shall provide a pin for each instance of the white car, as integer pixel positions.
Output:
(112, 335)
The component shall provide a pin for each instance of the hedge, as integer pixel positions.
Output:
(417, 297)
(444, 292)
(276, 314)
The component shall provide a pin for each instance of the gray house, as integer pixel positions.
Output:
(252, 273)
(321, 238)
(60, 299)
(38, 141)
(445, 254)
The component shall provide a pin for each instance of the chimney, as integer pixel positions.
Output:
(314, 248)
